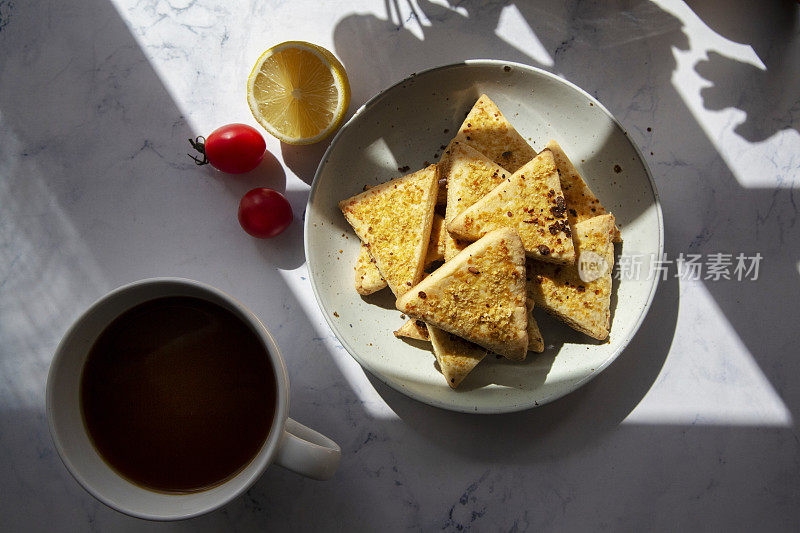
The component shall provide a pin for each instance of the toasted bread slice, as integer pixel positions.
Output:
(394, 220)
(535, 340)
(368, 276)
(488, 131)
(560, 290)
(531, 202)
(582, 204)
(437, 242)
(478, 295)
(441, 194)
(456, 356)
(413, 329)
(470, 176)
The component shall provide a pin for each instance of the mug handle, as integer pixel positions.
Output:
(306, 452)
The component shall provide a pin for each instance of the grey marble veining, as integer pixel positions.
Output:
(692, 428)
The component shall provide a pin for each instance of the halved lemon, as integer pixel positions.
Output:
(299, 92)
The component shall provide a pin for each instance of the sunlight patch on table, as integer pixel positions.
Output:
(48, 275)
(713, 380)
(513, 23)
(351, 371)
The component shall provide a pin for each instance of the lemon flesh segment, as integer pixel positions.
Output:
(297, 94)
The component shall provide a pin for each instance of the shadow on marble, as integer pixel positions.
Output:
(377, 485)
(304, 160)
(282, 251)
(768, 96)
(269, 173)
(110, 122)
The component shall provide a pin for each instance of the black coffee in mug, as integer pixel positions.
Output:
(178, 394)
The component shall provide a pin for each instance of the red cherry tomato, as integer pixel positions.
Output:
(235, 148)
(264, 213)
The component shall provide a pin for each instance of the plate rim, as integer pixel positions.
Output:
(502, 409)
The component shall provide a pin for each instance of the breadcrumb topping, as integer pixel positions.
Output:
(488, 307)
(470, 176)
(489, 132)
(582, 202)
(560, 290)
(531, 202)
(394, 221)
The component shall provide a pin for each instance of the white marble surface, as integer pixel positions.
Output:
(692, 428)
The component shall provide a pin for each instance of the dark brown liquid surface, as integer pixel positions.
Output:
(178, 394)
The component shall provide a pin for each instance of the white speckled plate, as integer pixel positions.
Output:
(408, 125)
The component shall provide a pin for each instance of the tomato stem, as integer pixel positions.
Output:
(199, 144)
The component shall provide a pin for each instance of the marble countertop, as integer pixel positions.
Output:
(692, 428)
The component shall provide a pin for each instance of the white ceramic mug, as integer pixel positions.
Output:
(289, 444)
